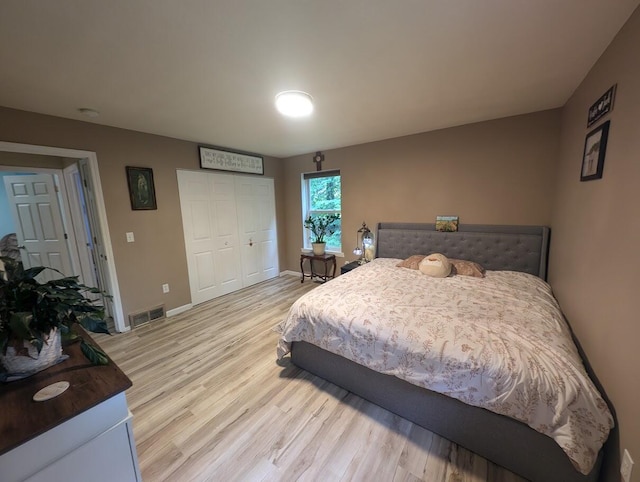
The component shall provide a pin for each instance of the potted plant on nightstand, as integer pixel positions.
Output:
(321, 226)
(35, 317)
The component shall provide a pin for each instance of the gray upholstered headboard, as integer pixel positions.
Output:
(516, 248)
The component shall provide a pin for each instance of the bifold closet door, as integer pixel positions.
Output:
(210, 225)
(257, 228)
(229, 230)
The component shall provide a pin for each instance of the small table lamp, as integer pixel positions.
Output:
(364, 244)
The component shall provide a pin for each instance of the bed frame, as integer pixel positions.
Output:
(504, 441)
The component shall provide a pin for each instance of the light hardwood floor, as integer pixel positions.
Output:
(211, 403)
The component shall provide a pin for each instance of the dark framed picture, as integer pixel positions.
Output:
(602, 106)
(141, 189)
(595, 148)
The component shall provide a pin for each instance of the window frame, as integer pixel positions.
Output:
(306, 208)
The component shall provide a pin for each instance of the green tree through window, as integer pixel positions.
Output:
(321, 194)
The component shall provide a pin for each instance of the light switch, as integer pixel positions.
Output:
(130, 238)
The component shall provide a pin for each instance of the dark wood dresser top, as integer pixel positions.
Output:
(22, 419)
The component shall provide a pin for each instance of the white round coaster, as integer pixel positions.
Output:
(50, 391)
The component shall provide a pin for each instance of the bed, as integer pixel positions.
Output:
(465, 414)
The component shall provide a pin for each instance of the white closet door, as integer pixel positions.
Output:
(248, 223)
(209, 221)
(198, 235)
(257, 225)
(225, 218)
(230, 233)
(267, 232)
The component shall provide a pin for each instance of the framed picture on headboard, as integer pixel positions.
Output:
(447, 223)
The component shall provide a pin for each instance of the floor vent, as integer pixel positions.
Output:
(142, 317)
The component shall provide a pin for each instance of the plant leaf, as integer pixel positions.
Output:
(20, 325)
(94, 324)
(33, 272)
(69, 337)
(94, 354)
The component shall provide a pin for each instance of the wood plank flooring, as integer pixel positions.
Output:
(210, 403)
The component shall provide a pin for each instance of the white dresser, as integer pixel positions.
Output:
(84, 434)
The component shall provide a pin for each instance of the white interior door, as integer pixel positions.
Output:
(210, 227)
(39, 228)
(198, 236)
(265, 194)
(223, 203)
(95, 236)
(229, 230)
(257, 227)
(249, 225)
(81, 228)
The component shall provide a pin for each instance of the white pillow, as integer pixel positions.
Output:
(436, 265)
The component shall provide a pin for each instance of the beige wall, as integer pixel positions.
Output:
(594, 261)
(157, 256)
(497, 172)
(31, 160)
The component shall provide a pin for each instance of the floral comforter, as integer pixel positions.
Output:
(498, 342)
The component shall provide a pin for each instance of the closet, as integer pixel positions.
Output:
(230, 234)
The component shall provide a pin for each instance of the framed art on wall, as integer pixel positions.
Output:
(141, 189)
(222, 160)
(595, 148)
(602, 106)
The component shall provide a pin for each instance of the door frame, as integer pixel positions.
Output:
(109, 263)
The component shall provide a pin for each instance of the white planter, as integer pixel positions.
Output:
(34, 362)
(318, 248)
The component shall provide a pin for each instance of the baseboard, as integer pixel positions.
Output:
(179, 309)
(289, 273)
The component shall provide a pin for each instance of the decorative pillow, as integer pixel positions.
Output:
(467, 268)
(436, 265)
(411, 262)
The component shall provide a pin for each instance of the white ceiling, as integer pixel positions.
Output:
(208, 70)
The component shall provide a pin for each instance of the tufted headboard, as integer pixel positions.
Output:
(516, 248)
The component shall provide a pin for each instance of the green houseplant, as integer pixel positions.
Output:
(34, 315)
(321, 226)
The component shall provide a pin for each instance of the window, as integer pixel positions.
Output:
(322, 194)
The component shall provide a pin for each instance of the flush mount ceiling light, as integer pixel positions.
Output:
(294, 103)
(88, 112)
